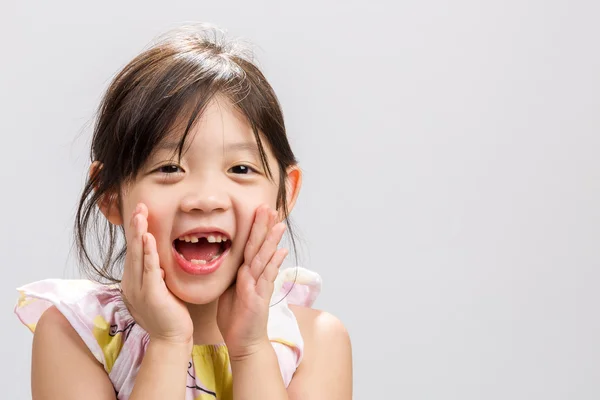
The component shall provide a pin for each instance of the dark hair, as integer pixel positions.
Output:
(179, 74)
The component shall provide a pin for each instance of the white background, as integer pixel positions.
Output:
(452, 191)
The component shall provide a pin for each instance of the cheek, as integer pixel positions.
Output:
(244, 218)
(160, 225)
(160, 222)
(245, 211)
(160, 208)
(265, 193)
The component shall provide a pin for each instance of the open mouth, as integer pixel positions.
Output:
(202, 249)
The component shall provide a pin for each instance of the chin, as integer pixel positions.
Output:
(197, 299)
(201, 291)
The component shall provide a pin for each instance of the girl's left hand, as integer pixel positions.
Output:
(243, 308)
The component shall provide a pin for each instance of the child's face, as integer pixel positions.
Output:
(214, 189)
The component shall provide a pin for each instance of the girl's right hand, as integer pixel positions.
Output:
(152, 305)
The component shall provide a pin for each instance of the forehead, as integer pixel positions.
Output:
(220, 120)
(221, 127)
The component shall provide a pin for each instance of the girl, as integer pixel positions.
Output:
(192, 170)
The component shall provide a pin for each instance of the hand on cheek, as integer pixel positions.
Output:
(148, 299)
(244, 307)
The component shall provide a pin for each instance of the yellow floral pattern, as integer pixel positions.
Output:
(110, 344)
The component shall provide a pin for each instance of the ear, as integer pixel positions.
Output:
(293, 184)
(109, 202)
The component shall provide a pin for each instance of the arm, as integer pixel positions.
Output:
(163, 372)
(63, 367)
(257, 376)
(243, 312)
(326, 368)
(324, 373)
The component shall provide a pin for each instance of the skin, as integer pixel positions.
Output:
(215, 184)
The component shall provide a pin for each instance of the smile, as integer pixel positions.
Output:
(201, 253)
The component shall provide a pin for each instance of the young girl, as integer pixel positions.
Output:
(194, 178)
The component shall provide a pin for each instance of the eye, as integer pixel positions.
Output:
(241, 170)
(169, 169)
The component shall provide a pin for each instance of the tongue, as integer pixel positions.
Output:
(199, 251)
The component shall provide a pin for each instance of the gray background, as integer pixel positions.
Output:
(451, 175)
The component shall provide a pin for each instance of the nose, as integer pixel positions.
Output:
(205, 198)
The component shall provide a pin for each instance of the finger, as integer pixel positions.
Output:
(151, 272)
(131, 246)
(259, 231)
(263, 222)
(244, 281)
(132, 274)
(272, 268)
(268, 248)
(265, 284)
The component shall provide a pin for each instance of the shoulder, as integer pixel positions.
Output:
(327, 356)
(54, 335)
(58, 348)
(318, 324)
(53, 325)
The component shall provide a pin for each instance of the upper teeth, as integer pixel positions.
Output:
(210, 238)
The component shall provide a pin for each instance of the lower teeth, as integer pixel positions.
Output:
(203, 262)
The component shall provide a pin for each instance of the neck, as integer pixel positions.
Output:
(204, 317)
